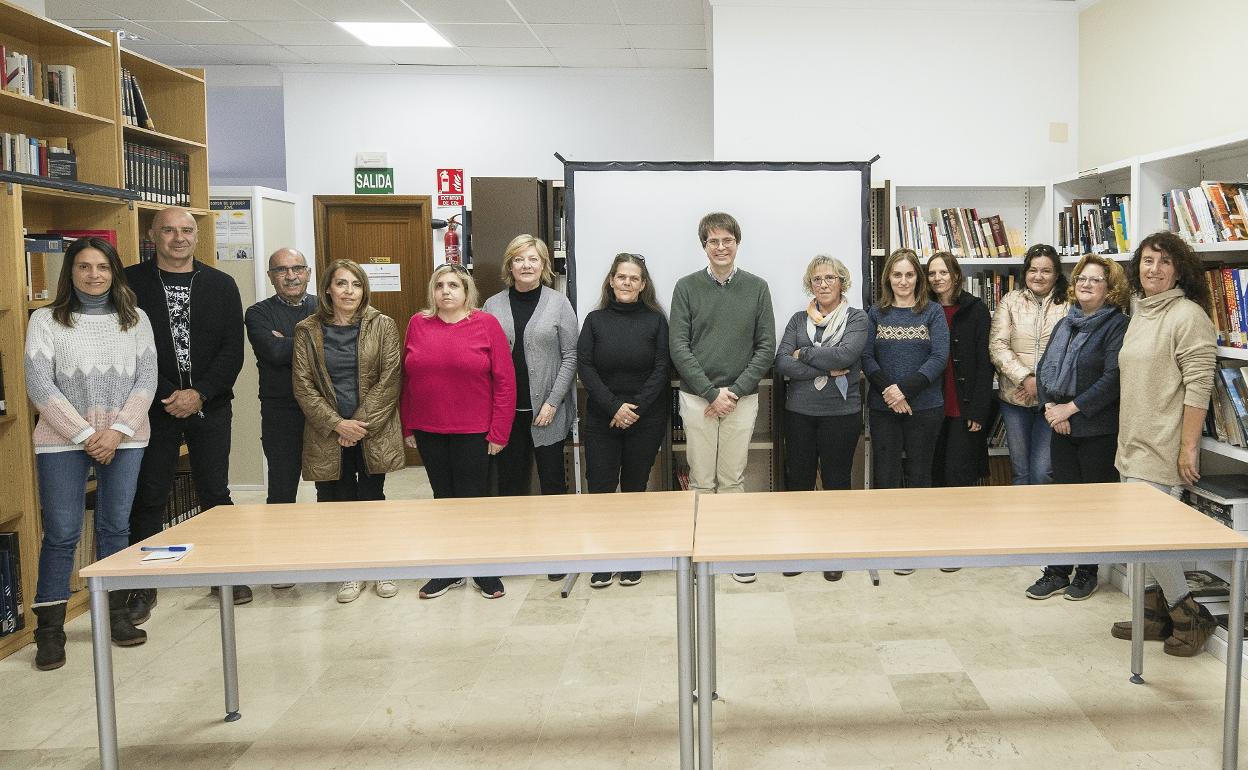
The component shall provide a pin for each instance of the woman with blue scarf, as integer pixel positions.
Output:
(1077, 382)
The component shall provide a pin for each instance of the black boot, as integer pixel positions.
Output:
(140, 602)
(123, 631)
(50, 636)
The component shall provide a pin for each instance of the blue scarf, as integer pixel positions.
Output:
(1062, 356)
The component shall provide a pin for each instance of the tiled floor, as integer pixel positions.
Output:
(927, 671)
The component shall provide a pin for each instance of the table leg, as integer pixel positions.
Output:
(684, 645)
(568, 583)
(105, 701)
(706, 664)
(229, 654)
(1137, 622)
(1234, 665)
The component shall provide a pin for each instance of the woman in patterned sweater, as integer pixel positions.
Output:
(91, 373)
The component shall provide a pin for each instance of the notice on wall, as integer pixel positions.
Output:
(382, 277)
(232, 217)
(450, 186)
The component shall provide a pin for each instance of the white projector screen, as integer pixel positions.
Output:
(788, 214)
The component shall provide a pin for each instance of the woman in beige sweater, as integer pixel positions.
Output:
(1167, 366)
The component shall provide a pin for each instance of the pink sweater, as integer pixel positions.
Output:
(458, 378)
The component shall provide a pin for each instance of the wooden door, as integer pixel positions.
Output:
(376, 230)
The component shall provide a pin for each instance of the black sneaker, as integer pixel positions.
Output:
(242, 594)
(903, 572)
(438, 586)
(833, 575)
(1048, 585)
(555, 578)
(140, 603)
(743, 577)
(630, 578)
(601, 579)
(790, 574)
(490, 587)
(950, 569)
(1083, 586)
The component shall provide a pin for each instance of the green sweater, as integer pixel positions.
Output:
(710, 327)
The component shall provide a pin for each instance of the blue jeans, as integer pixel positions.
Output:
(62, 492)
(1028, 436)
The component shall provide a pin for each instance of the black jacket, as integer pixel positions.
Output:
(216, 332)
(1096, 380)
(968, 349)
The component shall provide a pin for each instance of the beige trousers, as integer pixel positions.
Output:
(717, 447)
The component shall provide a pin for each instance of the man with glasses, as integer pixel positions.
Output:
(722, 342)
(197, 320)
(271, 329)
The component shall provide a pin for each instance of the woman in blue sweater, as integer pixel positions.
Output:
(904, 360)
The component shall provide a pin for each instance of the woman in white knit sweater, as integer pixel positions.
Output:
(1167, 366)
(91, 373)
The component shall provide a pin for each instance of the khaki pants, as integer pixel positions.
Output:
(717, 447)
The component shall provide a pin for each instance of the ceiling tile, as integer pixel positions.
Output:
(361, 10)
(669, 59)
(302, 32)
(165, 10)
(595, 57)
(67, 10)
(207, 32)
(266, 10)
(488, 35)
(178, 55)
(676, 36)
(454, 11)
(148, 34)
(582, 35)
(400, 55)
(251, 54)
(568, 11)
(512, 57)
(662, 11)
(340, 54)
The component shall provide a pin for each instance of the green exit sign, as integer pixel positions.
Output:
(374, 181)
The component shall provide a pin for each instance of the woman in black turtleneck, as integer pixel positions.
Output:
(623, 362)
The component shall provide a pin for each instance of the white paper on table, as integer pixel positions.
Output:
(165, 555)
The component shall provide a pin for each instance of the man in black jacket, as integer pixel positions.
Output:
(197, 320)
(271, 329)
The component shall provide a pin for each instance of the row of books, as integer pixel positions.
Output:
(678, 425)
(12, 613)
(990, 286)
(1227, 421)
(133, 106)
(1212, 212)
(158, 175)
(183, 501)
(1228, 288)
(959, 231)
(45, 256)
(1091, 226)
(51, 157)
(53, 83)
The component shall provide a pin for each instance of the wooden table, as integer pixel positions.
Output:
(404, 539)
(964, 527)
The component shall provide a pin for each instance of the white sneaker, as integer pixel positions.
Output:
(349, 591)
(281, 586)
(903, 572)
(386, 588)
(743, 577)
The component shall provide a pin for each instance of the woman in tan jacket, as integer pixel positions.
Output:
(1020, 332)
(346, 371)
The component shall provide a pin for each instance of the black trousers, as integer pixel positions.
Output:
(1082, 460)
(826, 444)
(955, 461)
(208, 442)
(458, 464)
(515, 462)
(621, 457)
(281, 435)
(354, 481)
(915, 435)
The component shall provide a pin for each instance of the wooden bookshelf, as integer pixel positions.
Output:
(176, 99)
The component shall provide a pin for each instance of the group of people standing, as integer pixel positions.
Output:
(127, 364)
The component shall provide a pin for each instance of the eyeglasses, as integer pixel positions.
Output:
(1090, 280)
(820, 280)
(292, 270)
(453, 266)
(727, 243)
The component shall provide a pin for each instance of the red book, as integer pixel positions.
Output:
(106, 235)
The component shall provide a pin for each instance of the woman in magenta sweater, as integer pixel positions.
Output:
(459, 397)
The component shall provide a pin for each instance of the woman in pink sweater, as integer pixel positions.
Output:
(459, 396)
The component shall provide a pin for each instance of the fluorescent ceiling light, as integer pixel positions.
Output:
(405, 34)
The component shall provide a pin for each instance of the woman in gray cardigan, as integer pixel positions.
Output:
(541, 329)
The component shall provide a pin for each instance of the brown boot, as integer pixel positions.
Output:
(1192, 626)
(1157, 624)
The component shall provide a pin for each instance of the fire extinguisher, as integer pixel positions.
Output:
(450, 241)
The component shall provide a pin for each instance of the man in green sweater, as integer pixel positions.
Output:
(722, 340)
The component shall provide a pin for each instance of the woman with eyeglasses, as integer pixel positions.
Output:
(459, 397)
(1021, 327)
(1077, 386)
(345, 373)
(623, 362)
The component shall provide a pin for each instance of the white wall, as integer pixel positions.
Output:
(945, 91)
(502, 122)
(246, 138)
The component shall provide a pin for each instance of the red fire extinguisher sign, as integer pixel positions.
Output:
(450, 187)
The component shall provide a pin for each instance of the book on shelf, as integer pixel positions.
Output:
(70, 236)
(1228, 291)
(678, 424)
(62, 85)
(52, 83)
(44, 256)
(12, 612)
(1211, 212)
(133, 105)
(158, 175)
(48, 156)
(962, 232)
(1094, 226)
(1220, 497)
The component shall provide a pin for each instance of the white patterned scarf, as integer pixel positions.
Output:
(827, 331)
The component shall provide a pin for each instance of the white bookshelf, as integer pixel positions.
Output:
(1021, 207)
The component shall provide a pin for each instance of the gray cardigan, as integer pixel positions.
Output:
(550, 350)
(801, 396)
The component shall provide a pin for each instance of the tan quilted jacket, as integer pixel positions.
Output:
(1020, 332)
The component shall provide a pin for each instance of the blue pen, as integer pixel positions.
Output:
(163, 548)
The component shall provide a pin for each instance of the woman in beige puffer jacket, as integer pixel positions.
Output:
(1020, 332)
